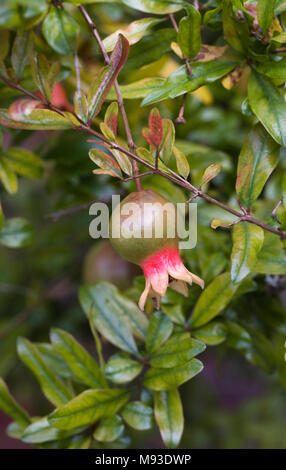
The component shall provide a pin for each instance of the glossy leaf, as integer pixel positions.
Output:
(16, 233)
(211, 334)
(213, 300)
(9, 405)
(113, 315)
(273, 69)
(265, 13)
(37, 119)
(169, 417)
(179, 82)
(52, 387)
(111, 117)
(168, 139)
(138, 89)
(258, 158)
(272, 257)
(183, 166)
(41, 431)
(107, 76)
(109, 429)
(167, 379)
(247, 242)
(268, 104)
(88, 407)
(138, 415)
(174, 353)
(235, 32)
(159, 330)
(78, 359)
(7, 175)
(80, 105)
(40, 68)
(175, 313)
(133, 32)
(60, 30)
(189, 34)
(121, 369)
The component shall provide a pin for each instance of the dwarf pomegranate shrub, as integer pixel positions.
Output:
(173, 102)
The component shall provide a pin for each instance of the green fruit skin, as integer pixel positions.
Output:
(136, 249)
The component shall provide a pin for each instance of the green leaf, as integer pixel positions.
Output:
(88, 407)
(159, 7)
(107, 76)
(189, 34)
(247, 242)
(138, 415)
(159, 330)
(41, 431)
(111, 117)
(183, 166)
(273, 69)
(109, 429)
(138, 89)
(24, 162)
(169, 417)
(175, 353)
(168, 139)
(16, 233)
(272, 257)
(179, 82)
(213, 300)
(235, 32)
(9, 15)
(84, 367)
(133, 32)
(7, 175)
(80, 442)
(54, 361)
(21, 51)
(9, 405)
(258, 158)
(1, 217)
(121, 369)
(37, 119)
(40, 68)
(265, 13)
(175, 313)
(212, 334)
(60, 30)
(80, 105)
(113, 314)
(52, 387)
(268, 104)
(166, 379)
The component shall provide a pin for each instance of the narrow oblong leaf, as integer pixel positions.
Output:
(169, 417)
(16, 232)
(88, 407)
(111, 117)
(7, 176)
(112, 314)
(268, 104)
(160, 7)
(9, 405)
(41, 431)
(174, 353)
(24, 162)
(107, 76)
(36, 119)
(189, 33)
(121, 369)
(211, 334)
(168, 139)
(138, 89)
(105, 162)
(265, 13)
(53, 388)
(247, 242)
(213, 300)
(167, 379)
(183, 166)
(80, 105)
(159, 330)
(78, 359)
(138, 415)
(21, 51)
(258, 158)
(60, 30)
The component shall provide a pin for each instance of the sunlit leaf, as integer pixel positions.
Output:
(138, 415)
(109, 429)
(169, 417)
(121, 369)
(169, 378)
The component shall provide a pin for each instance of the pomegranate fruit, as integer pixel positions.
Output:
(146, 212)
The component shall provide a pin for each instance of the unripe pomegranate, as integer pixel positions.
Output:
(143, 230)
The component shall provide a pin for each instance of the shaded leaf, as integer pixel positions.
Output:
(111, 117)
(16, 233)
(189, 34)
(9, 405)
(105, 162)
(159, 7)
(168, 139)
(24, 162)
(169, 417)
(37, 119)
(21, 51)
(272, 256)
(53, 388)
(88, 407)
(212, 334)
(138, 89)
(41, 431)
(138, 415)
(121, 369)
(7, 175)
(80, 105)
(174, 353)
(265, 13)
(109, 429)
(213, 300)
(236, 31)
(247, 242)
(159, 330)
(60, 30)
(183, 166)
